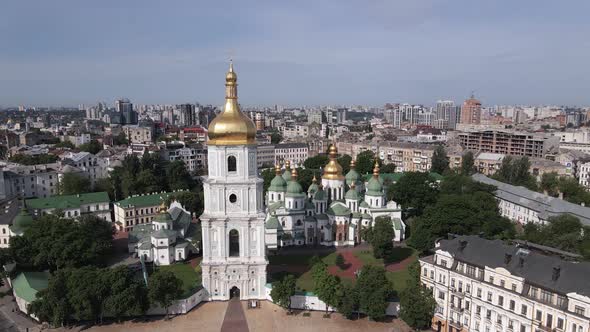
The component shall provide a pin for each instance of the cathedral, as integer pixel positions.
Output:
(331, 213)
(239, 224)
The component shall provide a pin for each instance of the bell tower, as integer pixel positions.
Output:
(234, 257)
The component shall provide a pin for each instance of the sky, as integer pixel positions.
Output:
(369, 52)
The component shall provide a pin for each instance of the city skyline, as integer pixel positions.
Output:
(328, 53)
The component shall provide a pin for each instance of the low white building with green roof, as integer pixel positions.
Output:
(138, 209)
(73, 206)
(25, 287)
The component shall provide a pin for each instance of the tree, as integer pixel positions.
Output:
(388, 168)
(55, 242)
(564, 232)
(33, 160)
(327, 287)
(52, 303)
(93, 147)
(120, 139)
(463, 207)
(573, 192)
(516, 172)
(128, 295)
(146, 182)
(190, 200)
(349, 302)
(163, 288)
(416, 301)
(365, 162)
(65, 144)
(467, 163)
(414, 191)
(72, 183)
(178, 177)
(283, 290)
(344, 161)
(340, 261)
(276, 137)
(382, 237)
(316, 162)
(550, 184)
(440, 160)
(267, 176)
(374, 290)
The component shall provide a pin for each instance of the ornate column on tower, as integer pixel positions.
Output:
(234, 257)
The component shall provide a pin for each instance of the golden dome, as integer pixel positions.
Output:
(333, 171)
(231, 127)
(376, 169)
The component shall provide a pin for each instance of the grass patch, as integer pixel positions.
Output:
(279, 259)
(191, 278)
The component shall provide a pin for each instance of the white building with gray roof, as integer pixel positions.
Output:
(485, 285)
(522, 205)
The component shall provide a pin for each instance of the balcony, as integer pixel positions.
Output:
(456, 324)
(457, 292)
(456, 308)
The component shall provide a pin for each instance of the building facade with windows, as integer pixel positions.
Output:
(72, 206)
(296, 153)
(484, 285)
(138, 210)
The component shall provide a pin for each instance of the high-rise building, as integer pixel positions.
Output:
(125, 113)
(471, 111)
(188, 116)
(234, 253)
(447, 114)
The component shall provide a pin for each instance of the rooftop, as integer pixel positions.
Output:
(144, 200)
(68, 201)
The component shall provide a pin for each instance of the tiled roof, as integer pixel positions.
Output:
(144, 200)
(27, 284)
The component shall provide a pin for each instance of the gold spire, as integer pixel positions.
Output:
(278, 170)
(376, 169)
(352, 185)
(314, 180)
(294, 174)
(352, 164)
(287, 165)
(231, 127)
(333, 171)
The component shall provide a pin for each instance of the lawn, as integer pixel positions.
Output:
(191, 278)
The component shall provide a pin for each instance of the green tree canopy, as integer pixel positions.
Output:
(24, 159)
(416, 301)
(516, 172)
(93, 147)
(440, 160)
(564, 232)
(163, 288)
(374, 290)
(467, 163)
(55, 242)
(387, 168)
(282, 291)
(414, 191)
(365, 162)
(73, 183)
(276, 137)
(381, 237)
(316, 162)
(344, 161)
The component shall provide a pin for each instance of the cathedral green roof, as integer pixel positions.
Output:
(68, 201)
(313, 188)
(145, 200)
(338, 209)
(277, 184)
(352, 177)
(287, 175)
(273, 223)
(352, 194)
(320, 195)
(27, 284)
(294, 189)
(374, 187)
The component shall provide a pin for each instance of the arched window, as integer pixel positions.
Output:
(298, 222)
(231, 164)
(234, 243)
(233, 198)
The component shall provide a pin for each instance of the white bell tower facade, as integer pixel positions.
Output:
(234, 258)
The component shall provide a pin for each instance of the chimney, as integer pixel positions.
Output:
(520, 261)
(507, 258)
(560, 195)
(462, 244)
(556, 272)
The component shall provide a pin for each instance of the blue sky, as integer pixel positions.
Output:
(295, 52)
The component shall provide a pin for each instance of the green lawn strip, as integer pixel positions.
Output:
(191, 278)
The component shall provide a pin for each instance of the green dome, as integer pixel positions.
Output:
(294, 188)
(287, 175)
(374, 187)
(320, 195)
(277, 184)
(352, 177)
(22, 221)
(313, 187)
(352, 194)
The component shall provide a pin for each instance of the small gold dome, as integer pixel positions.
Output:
(231, 127)
(333, 171)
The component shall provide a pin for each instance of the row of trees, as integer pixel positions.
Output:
(370, 293)
(564, 232)
(26, 159)
(90, 294)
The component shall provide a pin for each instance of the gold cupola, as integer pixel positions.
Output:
(231, 127)
(333, 171)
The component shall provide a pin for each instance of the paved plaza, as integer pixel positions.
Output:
(210, 316)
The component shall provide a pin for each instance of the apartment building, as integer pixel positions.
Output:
(407, 157)
(523, 206)
(484, 285)
(91, 166)
(510, 143)
(265, 155)
(30, 181)
(138, 210)
(138, 135)
(194, 156)
(296, 153)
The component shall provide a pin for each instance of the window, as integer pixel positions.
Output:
(561, 301)
(490, 296)
(523, 310)
(233, 198)
(560, 323)
(478, 310)
(546, 296)
(514, 287)
(549, 321)
(443, 262)
(491, 279)
(479, 293)
(522, 328)
(539, 315)
(501, 300)
(512, 305)
(234, 243)
(441, 295)
(533, 292)
(431, 273)
(425, 272)
(452, 282)
(231, 164)
(579, 310)
(471, 270)
(489, 314)
(502, 283)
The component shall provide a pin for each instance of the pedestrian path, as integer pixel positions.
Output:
(235, 319)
